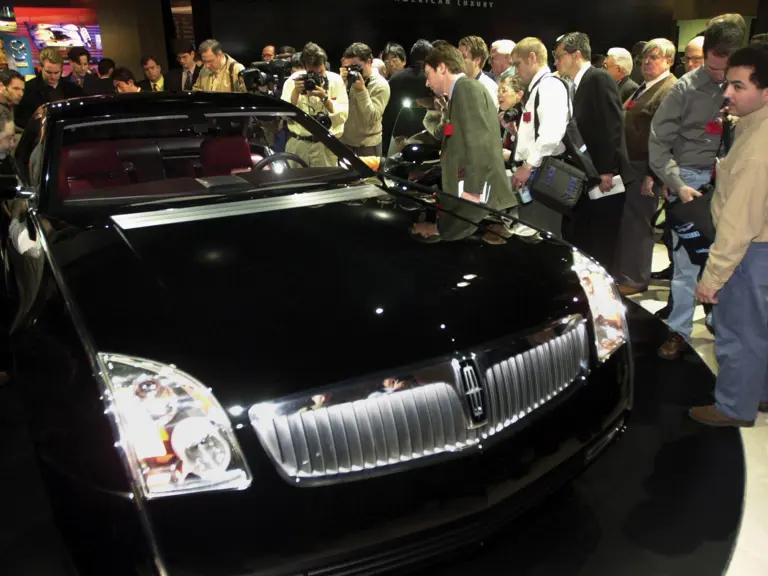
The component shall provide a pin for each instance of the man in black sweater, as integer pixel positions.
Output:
(406, 87)
(45, 88)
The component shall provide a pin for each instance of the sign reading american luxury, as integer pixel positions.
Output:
(460, 3)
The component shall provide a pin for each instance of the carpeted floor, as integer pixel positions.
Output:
(664, 500)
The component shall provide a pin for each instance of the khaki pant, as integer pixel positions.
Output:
(316, 154)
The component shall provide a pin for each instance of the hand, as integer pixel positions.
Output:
(344, 73)
(510, 127)
(646, 189)
(521, 176)
(319, 92)
(359, 84)
(606, 182)
(425, 229)
(666, 193)
(471, 197)
(298, 86)
(507, 154)
(706, 295)
(687, 194)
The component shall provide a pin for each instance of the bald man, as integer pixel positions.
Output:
(694, 54)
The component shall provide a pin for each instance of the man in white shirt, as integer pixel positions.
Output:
(501, 58)
(530, 61)
(327, 102)
(475, 52)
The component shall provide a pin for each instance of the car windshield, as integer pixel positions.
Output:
(126, 160)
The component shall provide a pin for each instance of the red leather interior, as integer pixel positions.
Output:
(220, 156)
(90, 166)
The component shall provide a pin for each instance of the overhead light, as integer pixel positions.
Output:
(442, 326)
(470, 276)
(379, 310)
(462, 284)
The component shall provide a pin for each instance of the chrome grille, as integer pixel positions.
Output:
(521, 384)
(368, 434)
(448, 410)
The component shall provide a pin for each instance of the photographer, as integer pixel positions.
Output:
(322, 95)
(368, 97)
(511, 90)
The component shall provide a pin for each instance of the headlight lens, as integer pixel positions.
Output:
(608, 311)
(175, 435)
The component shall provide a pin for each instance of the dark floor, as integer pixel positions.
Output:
(663, 501)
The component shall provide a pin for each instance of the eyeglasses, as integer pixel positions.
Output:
(696, 59)
(557, 56)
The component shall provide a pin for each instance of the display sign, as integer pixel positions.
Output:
(7, 19)
(482, 4)
(16, 54)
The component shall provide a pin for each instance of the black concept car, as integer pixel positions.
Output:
(236, 364)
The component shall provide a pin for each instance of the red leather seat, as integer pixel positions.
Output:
(90, 166)
(220, 156)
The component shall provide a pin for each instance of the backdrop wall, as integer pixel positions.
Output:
(245, 26)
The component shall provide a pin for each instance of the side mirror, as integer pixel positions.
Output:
(11, 189)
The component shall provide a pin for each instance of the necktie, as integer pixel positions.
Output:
(572, 90)
(187, 80)
(154, 87)
(639, 91)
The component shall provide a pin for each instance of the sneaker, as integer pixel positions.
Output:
(673, 348)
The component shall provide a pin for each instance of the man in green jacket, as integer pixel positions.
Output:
(471, 156)
(368, 97)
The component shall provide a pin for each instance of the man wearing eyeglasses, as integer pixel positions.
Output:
(685, 138)
(694, 54)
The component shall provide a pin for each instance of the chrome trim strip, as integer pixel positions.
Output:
(245, 113)
(194, 213)
(98, 372)
(125, 121)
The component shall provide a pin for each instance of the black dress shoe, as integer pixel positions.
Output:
(663, 314)
(665, 274)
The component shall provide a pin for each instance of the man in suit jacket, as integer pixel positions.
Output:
(619, 65)
(594, 225)
(184, 78)
(471, 159)
(406, 87)
(154, 81)
(635, 250)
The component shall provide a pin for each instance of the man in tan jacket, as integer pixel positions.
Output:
(736, 275)
(220, 73)
(368, 97)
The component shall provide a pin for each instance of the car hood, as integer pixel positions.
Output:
(262, 304)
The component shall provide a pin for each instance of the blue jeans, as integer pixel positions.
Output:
(686, 275)
(741, 342)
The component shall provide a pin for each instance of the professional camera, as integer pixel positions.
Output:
(311, 81)
(355, 72)
(266, 77)
(512, 115)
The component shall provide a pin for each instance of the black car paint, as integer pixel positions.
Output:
(259, 306)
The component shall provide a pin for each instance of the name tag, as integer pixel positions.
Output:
(448, 130)
(526, 117)
(714, 128)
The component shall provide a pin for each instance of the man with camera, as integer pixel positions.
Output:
(368, 97)
(322, 95)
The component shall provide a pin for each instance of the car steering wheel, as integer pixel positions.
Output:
(284, 156)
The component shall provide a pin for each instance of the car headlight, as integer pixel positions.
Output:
(175, 435)
(608, 310)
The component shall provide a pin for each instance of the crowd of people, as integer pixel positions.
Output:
(642, 127)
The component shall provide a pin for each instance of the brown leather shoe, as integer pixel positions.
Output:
(711, 416)
(673, 348)
(625, 290)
